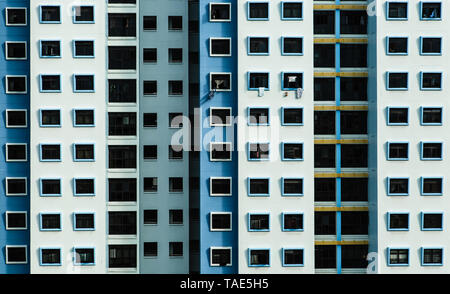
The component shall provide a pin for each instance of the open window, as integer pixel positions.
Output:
(220, 116)
(292, 81)
(258, 116)
(150, 185)
(258, 80)
(83, 14)
(430, 10)
(220, 81)
(220, 151)
(220, 256)
(258, 151)
(259, 257)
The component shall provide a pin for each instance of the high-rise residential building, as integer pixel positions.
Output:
(224, 136)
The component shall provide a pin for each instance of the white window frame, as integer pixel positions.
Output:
(16, 42)
(220, 213)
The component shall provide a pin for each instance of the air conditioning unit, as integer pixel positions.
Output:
(299, 93)
(261, 91)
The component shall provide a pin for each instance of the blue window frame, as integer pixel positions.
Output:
(50, 256)
(84, 225)
(258, 10)
(83, 48)
(50, 187)
(41, 221)
(431, 115)
(297, 260)
(50, 14)
(257, 45)
(431, 221)
(83, 83)
(258, 116)
(256, 80)
(291, 81)
(397, 150)
(294, 224)
(50, 118)
(84, 117)
(397, 45)
(430, 10)
(50, 49)
(397, 115)
(292, 151)
(258, 186)
(292, 116)
(78, 11)
(86, 154)
(259, 257)
(258, 224)
(395, 221)
(432, 256)
(396, 10)
(430, 45)
(51, 152)
(83, 255)
(292, 46)
(398, 256)
(431, 150)
(50, 83)
(291, 186)
(397, 81)
(430, 81)
(84, 186)
(431, 186)
(292, 10)
(397, 186)
(259, 151)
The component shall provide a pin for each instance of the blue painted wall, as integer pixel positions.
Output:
(8, 135)
(209, 169)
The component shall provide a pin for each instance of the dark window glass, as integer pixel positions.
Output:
(324, 89)
(398, 115)
(122, 222)
(122, 189)
(324, 155)
(324, 189)
(398, 151)
(121, 24)
(353, 122)
(122, 156)
(325, 256)
(354, 189)
(325, 223)
(324, 22)
(122, 124)
(122, 91)
(324, 123)
(150, 23)
(122, 256)
(258, 10)
(397, 45)
(398, 221)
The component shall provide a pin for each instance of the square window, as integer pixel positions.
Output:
(432, 221)
(258, 257)
(83, 118)
(175, 23)
(16, 50)
(258, 187)
(16, 186)
(258, 222)
(122, 156)
(50, 49)
(220, 116)
(398, 186)
(398, 221)
(397, 45)
(398, 256)
(84, 152)
(397, 116)
(84, 256)
(150, 23)
(431, 150)
(176, 120)
(83, 83)
(16, 152)
(220, 221)
(150, 152)
(220, 151)
(175, 249)
(398, 151)
(175, 184)
(258, 151)
(175, 88)
(50, 14)
(293, 257)
(50, 83)
(16, 254)
(431, 186)
(397, 81)
(84, 221)
(83, 49)
(50, 256)
(292, 10)
(258, 46)
(292, 187)
(175, 152)
(175, 216)
(397, 11)
(220, 81)
(150, 249)
(325, 189)
(258, 10)
(16, 118)
(49, 118)
(50, 221)
(220, 47)
(258, 116)
(16, 220)
(150, 88)
(292, 151)
(430, 81)
(432, 256)
(220, 186)
(292, 116)
(292, 81)
(220, 256)
(16, 84)
(150, 185)
(50, 187)
(83, 14)
(430, 116)
(258, 80)
(430, 10)
(150, 55)
(175, 55)
(431, 45)
(151, 217)
(219, 12)
(292, 46)
(50, 152)
(84, 187)
(150, 120)
(292, 221)
(16, 16)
